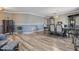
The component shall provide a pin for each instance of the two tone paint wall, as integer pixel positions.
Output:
(29, 23)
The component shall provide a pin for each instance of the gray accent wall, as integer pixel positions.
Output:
(30, 28)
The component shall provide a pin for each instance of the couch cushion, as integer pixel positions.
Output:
(2, 37)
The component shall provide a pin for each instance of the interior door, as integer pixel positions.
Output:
(8, 26)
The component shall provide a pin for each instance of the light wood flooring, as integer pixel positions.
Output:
(43, 42)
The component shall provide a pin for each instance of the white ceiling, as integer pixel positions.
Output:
(41, 11)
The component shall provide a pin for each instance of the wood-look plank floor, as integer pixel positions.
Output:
(43, 42)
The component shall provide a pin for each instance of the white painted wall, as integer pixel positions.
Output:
(27, 19)
(62, 18)
(77, 20)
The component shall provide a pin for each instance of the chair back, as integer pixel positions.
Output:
(59, 28)
(52, 28)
